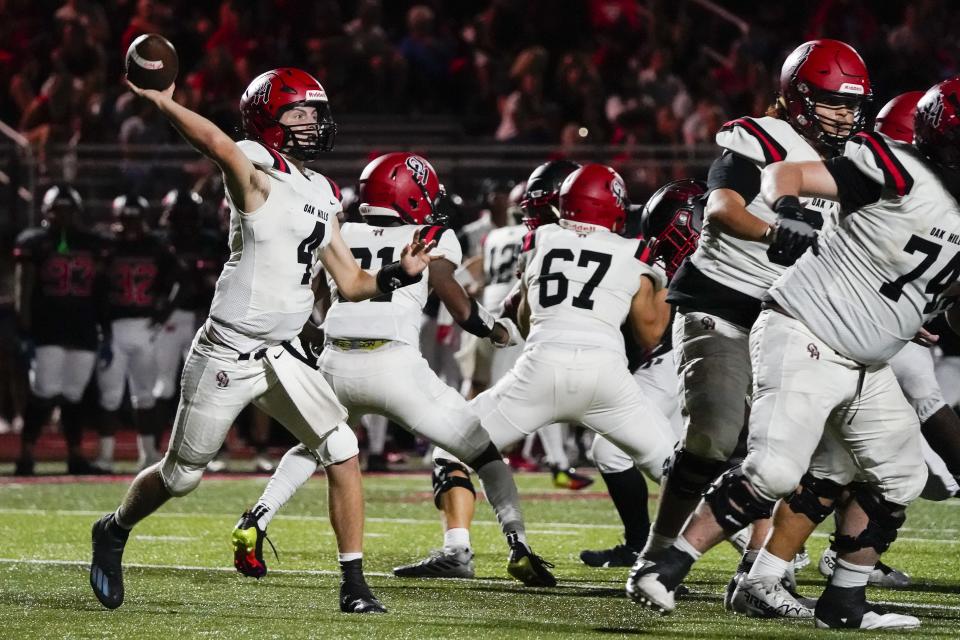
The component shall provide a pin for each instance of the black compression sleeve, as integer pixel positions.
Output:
(853, 188)
(733, 171)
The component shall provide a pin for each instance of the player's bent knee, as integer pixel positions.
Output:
(809, 497)
(773, 479)
(690, 474)
(885, 519)
(445, 478)
(735, 503)
(608, 457)
(179, 477)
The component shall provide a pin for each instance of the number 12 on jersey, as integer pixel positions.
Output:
(562, 286)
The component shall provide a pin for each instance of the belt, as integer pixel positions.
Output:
(256, 355)
(350, 344)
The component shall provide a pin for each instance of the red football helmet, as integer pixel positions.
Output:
(674, 216)
(274, 92)
(826, 72)
(895, 120)
(596, 195)
(936, 125)
(402, 185)
(541, 200)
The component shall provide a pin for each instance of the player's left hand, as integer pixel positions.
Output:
(505, 334)
(416, 257)
(926, 338)
(792, 233)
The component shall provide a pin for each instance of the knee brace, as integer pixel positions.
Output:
(689, 474)
(806, 500)
(443, 481)
(885, 518)
(735, 503)
(179, 477)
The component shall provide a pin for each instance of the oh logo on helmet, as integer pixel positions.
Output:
(262, 94)
(418, 169)
(619, 191)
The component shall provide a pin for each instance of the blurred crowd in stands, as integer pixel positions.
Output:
(517, 71)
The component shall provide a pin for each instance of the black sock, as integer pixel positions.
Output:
(70, 418)
(628, 490)
(352, 570)
(942, 431)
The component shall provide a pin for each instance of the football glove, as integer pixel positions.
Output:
(792, 233)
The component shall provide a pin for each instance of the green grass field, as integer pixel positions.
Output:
(180, 582)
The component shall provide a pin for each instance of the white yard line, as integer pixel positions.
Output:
(325, 572)
(324, 519)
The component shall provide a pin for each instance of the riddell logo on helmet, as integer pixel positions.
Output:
(262, 94)
(418, 168)
(850, 87)
(316, 94)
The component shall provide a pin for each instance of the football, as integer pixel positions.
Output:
(152, 62)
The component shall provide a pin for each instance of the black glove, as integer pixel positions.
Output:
(793, 232)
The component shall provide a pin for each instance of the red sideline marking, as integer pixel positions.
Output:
(898, 180)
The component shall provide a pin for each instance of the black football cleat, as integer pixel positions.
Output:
(25, 467)
(356, 597)
(82, 467)
(528, 567)
(621, 555)
(106, 571)
(847, 608)
(654, 580)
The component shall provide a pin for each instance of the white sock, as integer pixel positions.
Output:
(682, 544)
(501, 490)
(295, 468)
(657, 542)
(105, 457)
(768, 565)
(551, 437)
(376, 433)
(347, 557)
(848, 574)
(456, 538)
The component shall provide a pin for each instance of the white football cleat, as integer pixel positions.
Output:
(876, 620)
(765, 597)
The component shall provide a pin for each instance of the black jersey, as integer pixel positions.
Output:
(200, 258)
(141, 274)
(68, 295)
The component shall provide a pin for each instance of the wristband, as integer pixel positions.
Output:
(480, 323)
(392, 276)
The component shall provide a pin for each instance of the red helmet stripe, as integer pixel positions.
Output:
(772, 150)
(894, 173)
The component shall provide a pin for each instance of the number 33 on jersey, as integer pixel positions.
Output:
(579, 286)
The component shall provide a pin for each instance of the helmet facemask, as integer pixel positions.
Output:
(539, 209)
(308, 141)
(823, 129)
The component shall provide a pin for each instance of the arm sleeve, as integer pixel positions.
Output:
(734, 171)
(854, 188)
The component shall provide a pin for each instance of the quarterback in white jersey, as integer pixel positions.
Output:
(372, 361)
(282, 219)
(717, 292)
(580, 284)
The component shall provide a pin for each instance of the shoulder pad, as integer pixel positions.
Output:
(872, 153)
(263, 156)
(753, 139)
(429, 233)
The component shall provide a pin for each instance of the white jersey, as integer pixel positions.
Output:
(396, 315)
(580, 286)
(263, 296)
(474, 232)
(501, 248)
(739, 264)
(883, 273)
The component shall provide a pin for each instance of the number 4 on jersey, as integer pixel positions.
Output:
(306, 249)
